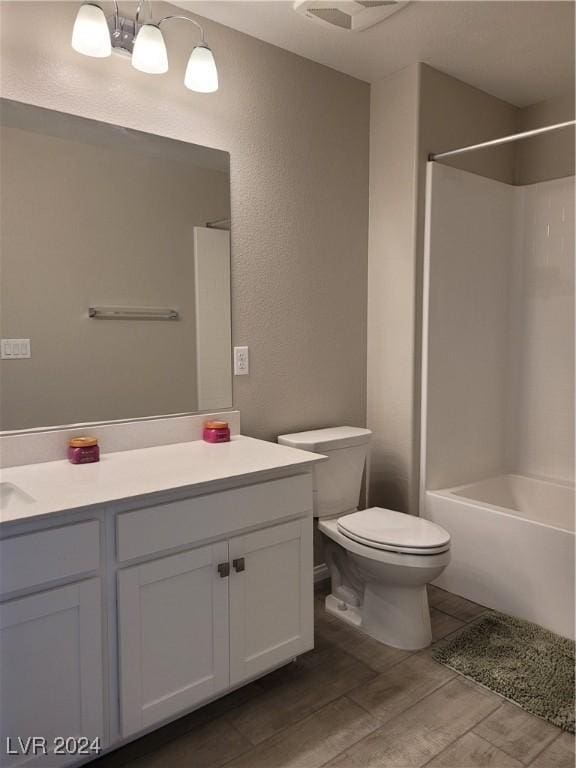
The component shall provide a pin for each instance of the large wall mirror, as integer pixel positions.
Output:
(115, 265)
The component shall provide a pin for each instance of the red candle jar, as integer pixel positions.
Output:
(216, 432)
(83, 450)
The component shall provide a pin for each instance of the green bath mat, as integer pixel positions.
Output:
(523, 662)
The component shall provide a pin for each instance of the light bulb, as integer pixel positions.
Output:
(201, 73)
(149, 54)
(91, 35)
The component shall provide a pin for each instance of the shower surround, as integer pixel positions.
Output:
(498, 390)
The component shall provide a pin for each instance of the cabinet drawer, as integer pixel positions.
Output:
(146, 531)
(57, 553)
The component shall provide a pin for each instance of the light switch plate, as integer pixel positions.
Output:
(15, 349)
(241, 361)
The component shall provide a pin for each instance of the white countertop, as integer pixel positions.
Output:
(58, 486)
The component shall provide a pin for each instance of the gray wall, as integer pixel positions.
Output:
(454, 114)
(550, 156)
(391, 287)
(297, 133)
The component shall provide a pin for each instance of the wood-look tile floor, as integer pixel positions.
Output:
(355, 703)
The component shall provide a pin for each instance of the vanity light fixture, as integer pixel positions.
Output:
(96, 35)
(149, 54)
(91, 35)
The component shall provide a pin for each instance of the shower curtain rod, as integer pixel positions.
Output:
(503, 140)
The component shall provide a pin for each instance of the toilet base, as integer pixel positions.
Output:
(396, 616)
(351, 614)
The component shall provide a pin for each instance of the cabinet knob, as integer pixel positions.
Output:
(224, 570)
(239, 564)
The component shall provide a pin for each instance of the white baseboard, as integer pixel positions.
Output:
(321, 573)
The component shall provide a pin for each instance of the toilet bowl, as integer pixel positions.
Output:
(393, 568)
(380, 561)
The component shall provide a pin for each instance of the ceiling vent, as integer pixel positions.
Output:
(350, 15)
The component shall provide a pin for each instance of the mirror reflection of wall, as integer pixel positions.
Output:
(97, 215)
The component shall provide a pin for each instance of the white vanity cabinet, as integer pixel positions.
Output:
(271, 598)
(124, 613)
(51, 674)
(197, 623)
(51, 646)
(173, 635)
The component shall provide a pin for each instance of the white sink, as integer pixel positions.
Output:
(11, 495)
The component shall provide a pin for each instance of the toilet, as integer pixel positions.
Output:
(380, 561)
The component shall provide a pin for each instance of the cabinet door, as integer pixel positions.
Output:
(173, 632)
(271, 598)
(51, 673)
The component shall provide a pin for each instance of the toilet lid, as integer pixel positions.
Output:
(394, 531)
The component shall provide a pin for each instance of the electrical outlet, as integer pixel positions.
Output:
(15, 349)
(241, 361)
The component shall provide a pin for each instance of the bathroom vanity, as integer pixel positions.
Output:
(136, 589)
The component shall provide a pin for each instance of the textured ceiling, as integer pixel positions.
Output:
(521, 51)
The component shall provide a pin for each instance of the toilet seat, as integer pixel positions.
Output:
(385, 529)
(399, 559)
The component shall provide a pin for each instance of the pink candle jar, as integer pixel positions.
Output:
(83, 450)
(216, 432)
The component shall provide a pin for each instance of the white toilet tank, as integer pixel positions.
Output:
(337, 482)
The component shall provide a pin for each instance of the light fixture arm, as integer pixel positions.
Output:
(116, 16)
(148, 4)
(185, 18)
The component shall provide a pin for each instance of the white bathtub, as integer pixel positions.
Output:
(512, 546)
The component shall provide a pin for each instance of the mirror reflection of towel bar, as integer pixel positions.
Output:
(133, 313)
